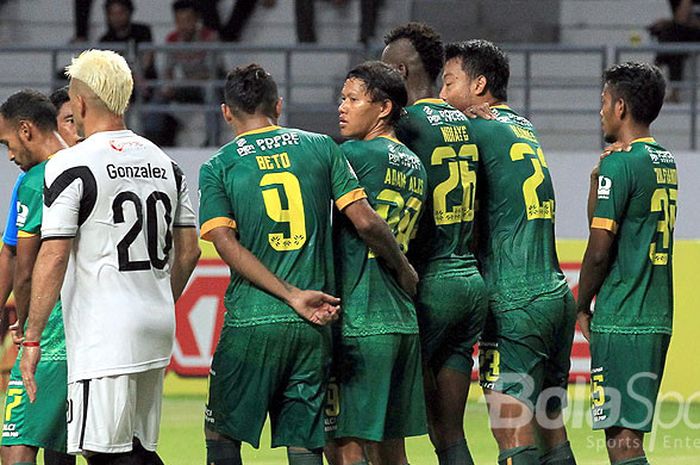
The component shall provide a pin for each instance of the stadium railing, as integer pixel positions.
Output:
(525, 80)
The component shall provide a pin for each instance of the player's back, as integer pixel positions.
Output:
(280, 184)
(395, 182)
(439, 134)
(119, 196)
(637, 195)
(516, 202)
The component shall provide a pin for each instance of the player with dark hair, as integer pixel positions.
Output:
(379, 391)
(628, 262)
(28, 129)
(527, 339)
(451, 301)
(66, 123)
(265, 203)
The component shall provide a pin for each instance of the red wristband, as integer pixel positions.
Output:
(30, 343)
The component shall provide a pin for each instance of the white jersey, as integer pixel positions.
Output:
(119, 196)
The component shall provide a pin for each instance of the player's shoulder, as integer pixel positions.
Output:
(34, 178)
(323, 140)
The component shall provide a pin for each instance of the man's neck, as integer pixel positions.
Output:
(420, 92)
(381, 130)
(108, 123)
(49, 145)
(632, 132)
(251, 124)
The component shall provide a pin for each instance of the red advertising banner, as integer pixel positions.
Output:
(200, 314)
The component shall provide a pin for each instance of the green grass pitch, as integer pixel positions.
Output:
(675, 441)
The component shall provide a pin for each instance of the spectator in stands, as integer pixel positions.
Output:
(81, 16)
(120, 28)
(684, 26)
(306, 28)
(241, 13)
(191, 65)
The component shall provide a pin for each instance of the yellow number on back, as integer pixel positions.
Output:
(663, 200)
(459, 174)
(293, 214)
(491, 360)
(535, 209)
(400, 216)
(597, 391)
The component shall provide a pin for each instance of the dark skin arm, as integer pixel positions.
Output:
(187, 252)
(47, 279)
(314, 306)
(27, 251)
(594, 270)
(7, 272)
(374, 231)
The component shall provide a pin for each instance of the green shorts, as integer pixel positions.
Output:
(451, 310)
(43, 422)
(280, 369)
(626, 371)
(525, 352)
(378, 389)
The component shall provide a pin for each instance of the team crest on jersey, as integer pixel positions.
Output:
(22, 214)
(604, 187)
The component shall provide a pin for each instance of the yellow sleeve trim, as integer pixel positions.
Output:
(604, 223)
(25, 234)
(350, 197)
(214, 223)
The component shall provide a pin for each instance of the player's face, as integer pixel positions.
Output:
(66, 125)
(17, 151)
(186, 23)
(357, 113)
(608, 120)
(457, 85)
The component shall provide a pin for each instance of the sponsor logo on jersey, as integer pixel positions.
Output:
(121, 145)
(604, 187)
(22, 214)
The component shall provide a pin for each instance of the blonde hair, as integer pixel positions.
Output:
(107, 74)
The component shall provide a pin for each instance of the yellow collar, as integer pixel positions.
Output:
(647, 140)
(272, 127)
(436, 101)
(503, 106)
(393, 139)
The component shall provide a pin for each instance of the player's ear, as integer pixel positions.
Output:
(403, 69)
(278, 108)
(480, 84)
(24, 130)
(620, 108)
(387, 107)
(226, 113)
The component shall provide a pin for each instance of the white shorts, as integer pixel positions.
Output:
(106, 414)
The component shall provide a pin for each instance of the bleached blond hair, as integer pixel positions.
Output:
(107, 74)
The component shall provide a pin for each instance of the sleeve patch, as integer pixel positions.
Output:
(604, 187)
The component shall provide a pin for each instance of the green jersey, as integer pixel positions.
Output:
(274, 187)
(440, 135)
(395, 181)
(516, 212)
(637, 195)
(30, 204)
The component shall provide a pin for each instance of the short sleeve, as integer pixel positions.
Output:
(214, 205)
(346, 188)
(69, 196)
(184, 213)
(614, 191)
(9, 237)
(29, 209)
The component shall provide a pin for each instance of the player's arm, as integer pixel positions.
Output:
(594, 269)
(47, 279)
(187, 252)
(375, 232)
(592, 194)
(315, 306)
(7, 273)
(27, 251)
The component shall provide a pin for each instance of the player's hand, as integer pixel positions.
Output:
(408, 280)
(27, 365)
(17, 335)
(482, 111)
(615, 147)
(584, 322)
(315, 306)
